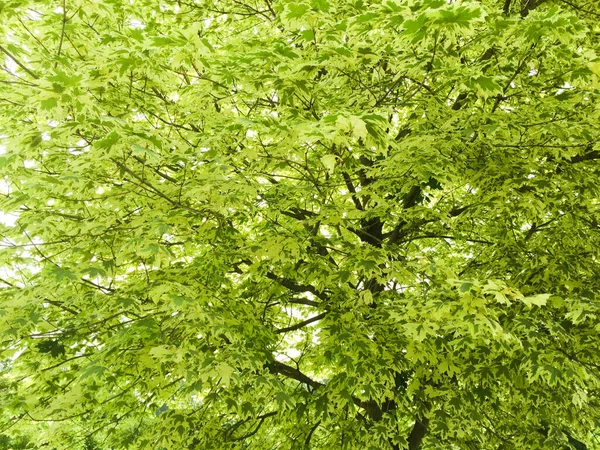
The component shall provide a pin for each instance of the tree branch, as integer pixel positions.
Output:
(594, 154)
(417, 433)
(352, 190)
(19, 63)
(62, 31)
(298, 213)
(261, 419)
(290, 372)
(301, 324)
(299, 301)
(372, 408)
(296, 287)
(585, 11)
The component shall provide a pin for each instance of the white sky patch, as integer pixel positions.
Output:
(34, 15)
(392, 285)
(8, 219)
(470, 189)
(4, 187)
(11, 65)
(563, 88)
(325, 232)
(251, 133)
(297, 313)
(136, 24)
(29, 163)
(533, 72)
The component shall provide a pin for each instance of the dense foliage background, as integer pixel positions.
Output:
(319, 224)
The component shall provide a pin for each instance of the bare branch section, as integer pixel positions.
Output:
(304, 301)
(301, 324)
(296, 287)
(417, 433)
(295, 374)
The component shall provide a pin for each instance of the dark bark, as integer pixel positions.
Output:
(527, 6)
(418, 433)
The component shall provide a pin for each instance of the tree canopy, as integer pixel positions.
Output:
(317, 224)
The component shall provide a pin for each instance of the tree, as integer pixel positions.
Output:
(314, 224)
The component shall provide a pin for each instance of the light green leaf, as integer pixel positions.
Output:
(329, 161)
(537, 300)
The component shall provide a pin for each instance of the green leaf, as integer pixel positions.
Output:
(466, 287)
(537, 300)
(94, 371)
(111, 139)
(486, 86)
(296, 10)
(329, 161)
(61, 274)
(54, 347)
(298, 224)
(461, 16)
(49, 103)
(284, 400)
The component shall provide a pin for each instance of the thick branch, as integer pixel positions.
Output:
(298, 213)
(418, 432)
(296, 287)
(301, 324)
(400, 231)
(370, 231)
(372, 408)
(302, 301)
(352, 190)
(527, 6)
(290, 372)
(594, 154)
(589, 156)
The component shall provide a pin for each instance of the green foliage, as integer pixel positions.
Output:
(319, 224)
